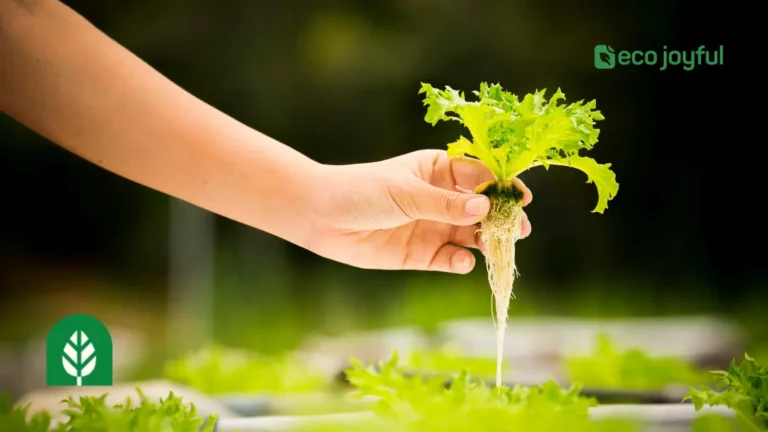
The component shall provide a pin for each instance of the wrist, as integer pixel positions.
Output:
(306, 201)
(290, 201)
(322, 190)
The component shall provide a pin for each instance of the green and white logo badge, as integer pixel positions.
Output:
(78, 353)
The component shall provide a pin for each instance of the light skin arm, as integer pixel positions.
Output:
(63, 78)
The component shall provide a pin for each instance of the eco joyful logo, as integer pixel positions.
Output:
(608, 58)
(78, 352)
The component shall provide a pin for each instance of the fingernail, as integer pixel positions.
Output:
(477, 206)
(461, 261)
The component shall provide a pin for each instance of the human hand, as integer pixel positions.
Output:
(411, 212)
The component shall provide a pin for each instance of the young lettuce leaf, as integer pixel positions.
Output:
(511, 136)
(93, 414)
(742, 388)
(17, 419)
(412, 403)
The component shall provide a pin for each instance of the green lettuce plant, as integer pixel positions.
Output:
(94, 414)
(217, 370)
(511, 136)
(631, 369)
(413, 403)
(742, 388)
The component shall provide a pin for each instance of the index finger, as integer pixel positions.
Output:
(468, 173)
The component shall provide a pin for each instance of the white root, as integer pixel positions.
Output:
(498, 233)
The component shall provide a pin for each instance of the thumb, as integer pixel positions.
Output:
(441, 205)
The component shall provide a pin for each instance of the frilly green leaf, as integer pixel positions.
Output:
(511, 136)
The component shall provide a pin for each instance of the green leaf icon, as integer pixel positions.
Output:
(70, 352)
(79, 357)
(605, 57)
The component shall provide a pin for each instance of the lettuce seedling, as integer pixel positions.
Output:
(742, 388)
(412, 403)
(511, 136)
(217, 370)
(17, 419)
(632, 369)
(93, 414)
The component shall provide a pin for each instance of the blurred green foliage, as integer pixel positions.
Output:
(217, 370)
(449, 361)
(19, 419)
(632, 369)
(718, 423)
(94, 414)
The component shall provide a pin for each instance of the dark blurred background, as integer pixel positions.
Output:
(338, 81)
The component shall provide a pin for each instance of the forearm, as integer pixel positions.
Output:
(66, 80)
